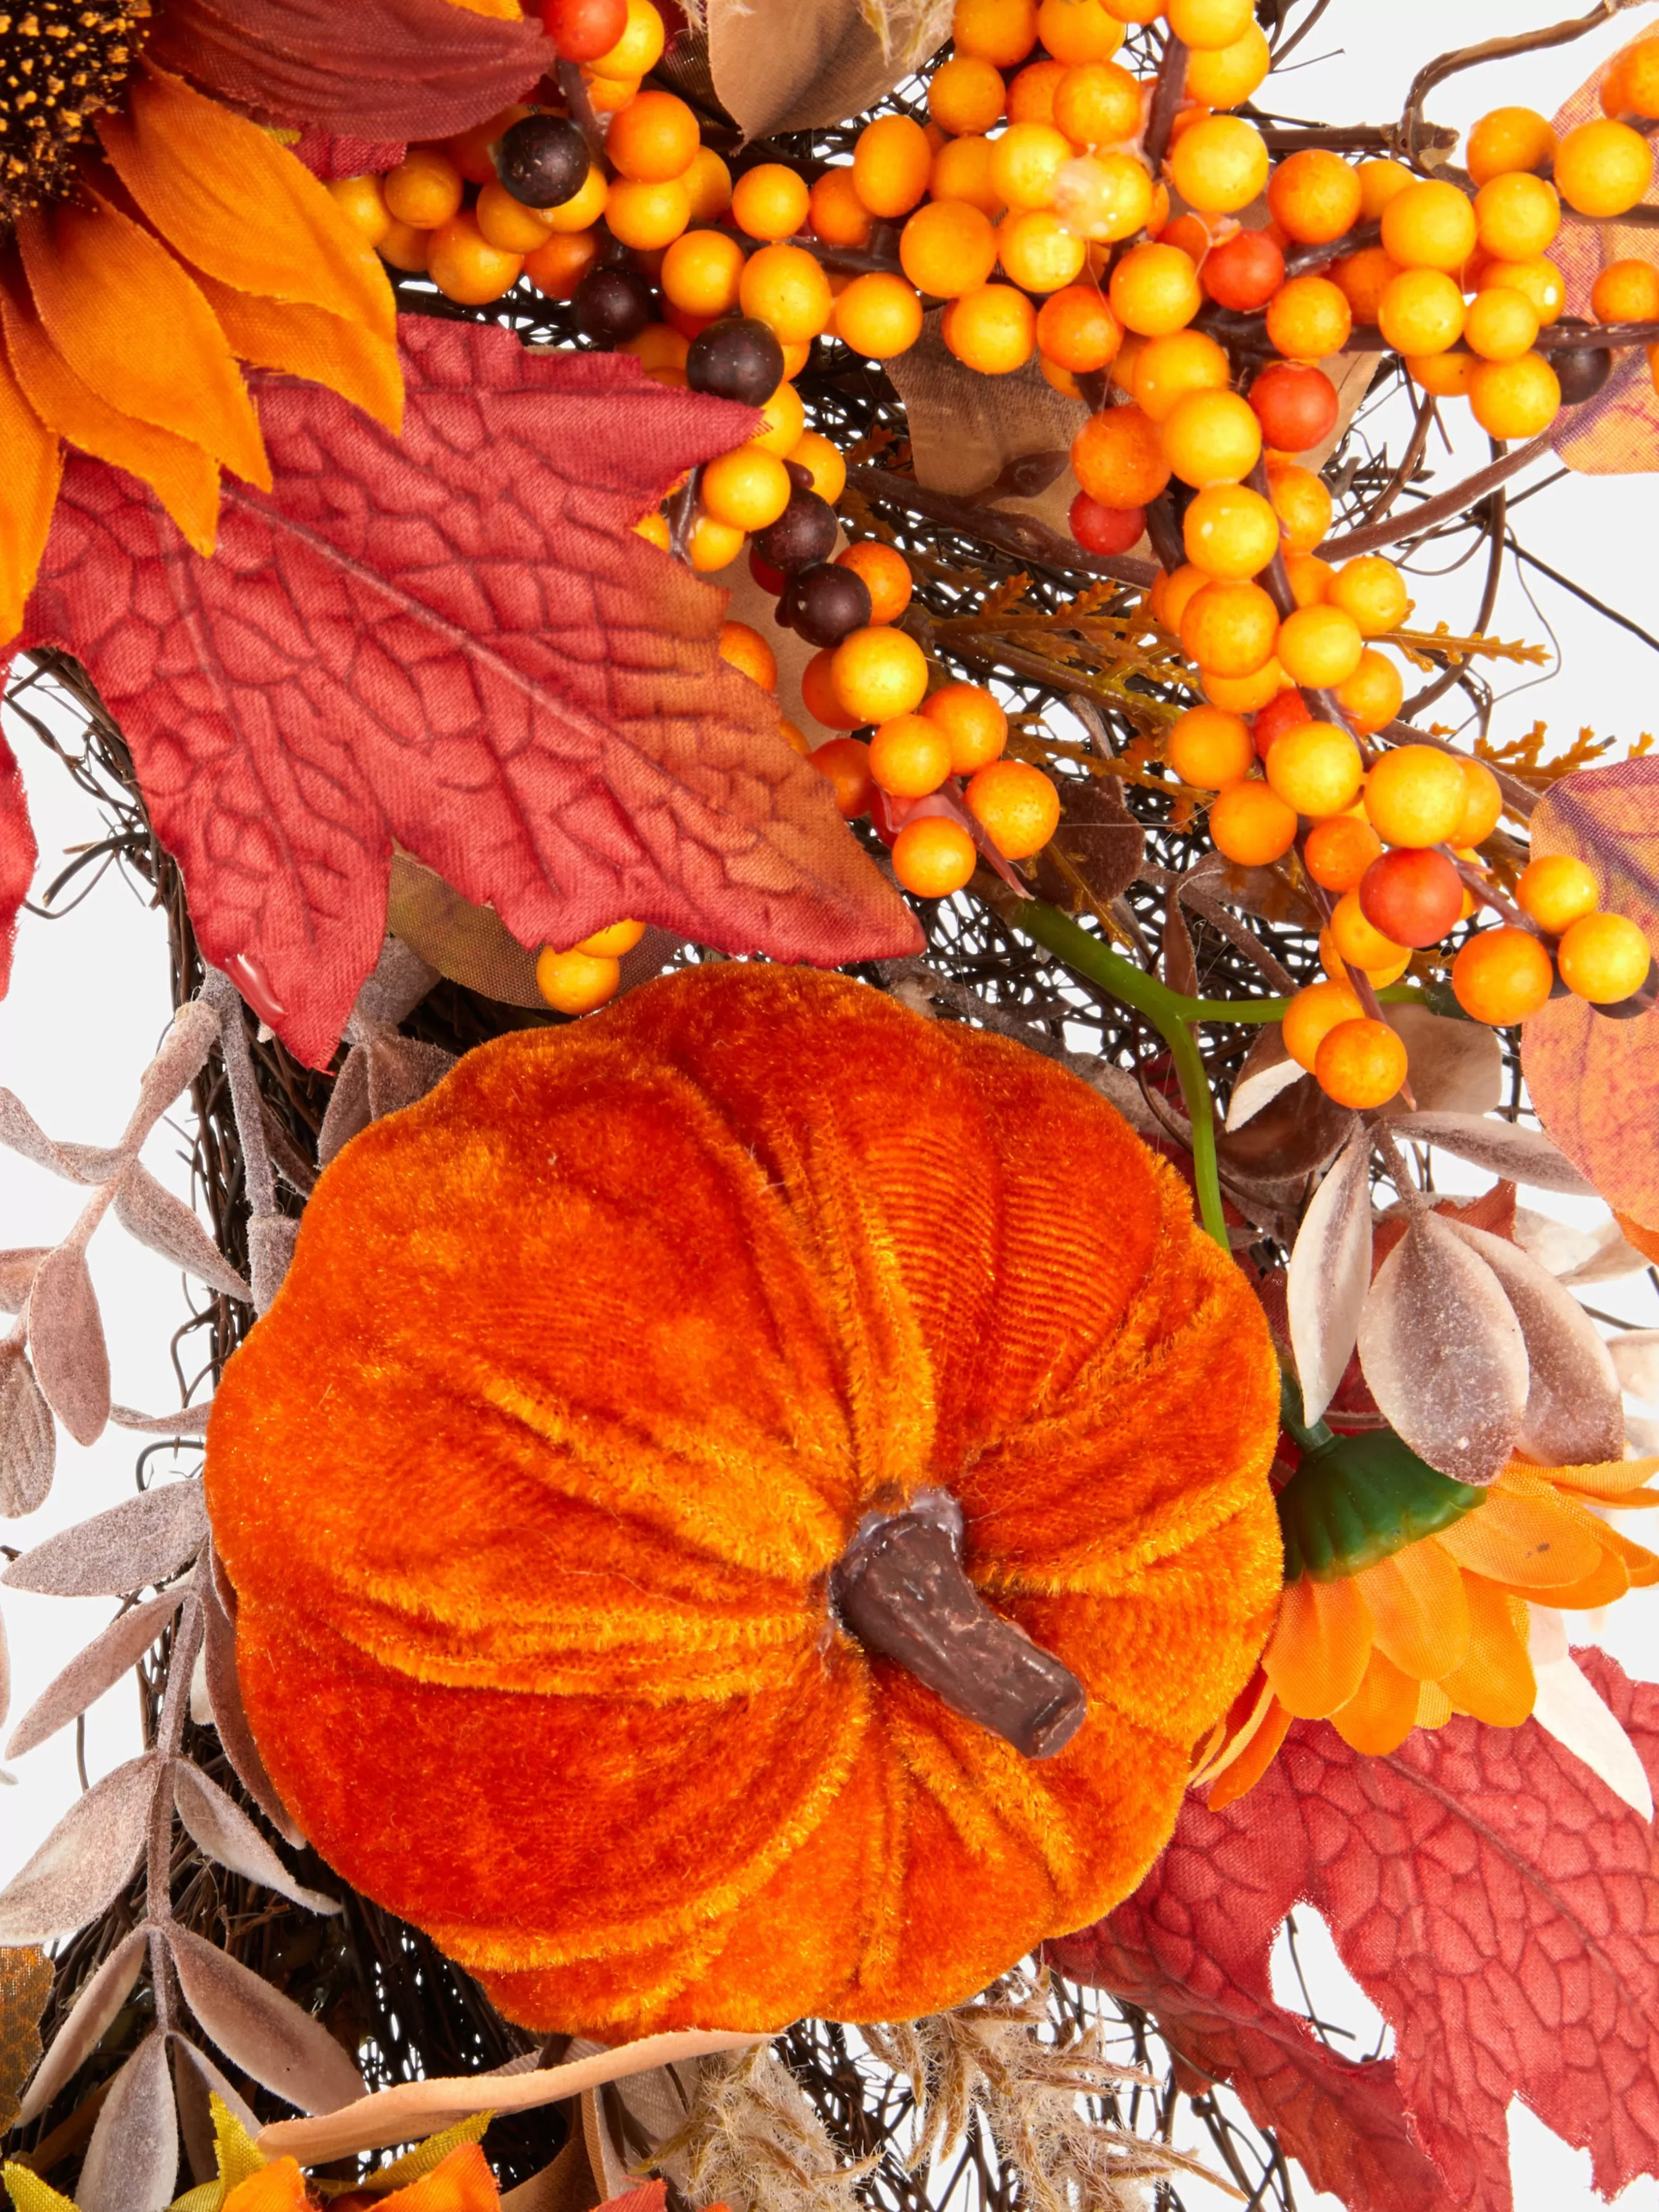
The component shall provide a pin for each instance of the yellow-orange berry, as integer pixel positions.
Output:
(1203, 24)
(361, 201)
(745, 648)
(992, 329)
(1220, 165)
(506, 222)
(1231, 628)
(1516, 215)
(1360, 1064)
(557, 267)
(1251, 825)
(770, 201)
(1362, 279)
(659, 345)
(846, 763)
(879, 316)
(709, 186)
(819, 454)
(1104, 197)
(1243, 695)
(1025, 161)
(1308, 318)
(909, 757)
(1508, 138)
(786, 419)
(1078, 31)
(614, 942)
(576, 982)
(1212, 437)
(1016, 806)
(700, 272)
(1501, 976)
(1098, 104)
(1421, 312)
(1556, 889)
(584, 207)
(1118, 458)
(1303, 503)
(1316, 768)
(610, 96)
(1225, 76)
(646, 216)
(890, 165)
(818, 696)
(749, 487)
(962, 171)
(1415, 795)
(1500, 325)
(1230, 532)
(1168, 368)
(1429, 226)
(1373, 591)
(1345, 971)
(1358, 940)
(1483, 804)
(784, 287)
(948, 247)
(966, 94)
(1314, 196)
(1315, 1010)
(653, 528)
(1603, 169)
(878, 673)
(464, 266)
(640, 47)
(1176, 593)
(1604, 958)
(1625, 292)
(1515, 398)
(836, 213)
(424, 189)
(1031, 94)
(1210, 750)
(1001, 31)
(886, 575)
(712, 543)
(1371, 696)
(933, 857)
(975, 726)
(1337, 854)
(1445, 374)
(1037, 252)
(1308, 576)
(1379, 182)
(1076, 328)
(1154, 290)
(652, 138)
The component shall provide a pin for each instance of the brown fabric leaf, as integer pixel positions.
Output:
(224, 1832)
(141, 1541)
(794, 64)
(132, 2160)
(66, 1338)
(262, 2031)
(1099, 836)
(1329, 1276)
(1574, 1415)
(89, 2019)
(1444, 1355)
(85, 1863)
(149, 1212)
(1293, 1136)
(25, 1985)
(1266, 1070)
(196, 2081)
(469, 943)
(93, 1671)
(1177, 958)
(1457, 1066)
(28, 1438)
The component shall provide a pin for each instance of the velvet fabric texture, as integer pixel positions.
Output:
(587, 1368)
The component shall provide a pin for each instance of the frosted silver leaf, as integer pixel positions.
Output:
(1504, 1147)
(29, 1436)
(183, 1421)
(400, 981)
(181, 1056)
(262, 2031)
(1444, 1353)
(401, 1070)
(141, 1541)
(348, 1105)
(20, 1133)
(1456, 1067)
(225, 1696)
(89, 2019)
(1574, 1415)
(1330, 1275)
(1635, 1356)
(66, 1339)
(1268, 1070)
(148, 1211)
(225, 1832)
(94, 1670)
(132, 2160)
(85, 1863)
(196, 2079)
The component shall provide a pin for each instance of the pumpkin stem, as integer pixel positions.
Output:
(900, 1589)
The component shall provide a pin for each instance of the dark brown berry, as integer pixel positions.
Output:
(826, 603)
(611, 305)
(802, 533)
(1582, 370)
(543, 160)
(736, 358)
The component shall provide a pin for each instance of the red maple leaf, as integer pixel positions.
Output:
(17, 856)
(456, 640)
(1493, 1898)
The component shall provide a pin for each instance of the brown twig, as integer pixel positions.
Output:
(1496, 509)
(681, 514)
(1491, 50)
(1171, 83)
(582, 109)
(1439, 510)
(1022, 535)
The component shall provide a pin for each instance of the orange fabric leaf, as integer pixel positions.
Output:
(1418, 1618)
(34, 468)
(130, 324)
(228, 197)
(303, 340)
(278, 2187)
(183, 477)
(1383, 1712)
(461, 2182)
(1496, 1683)
(1316, 1659)
(1645, 1240)
(508, 11)
(1253, 1762)
(1527, 1541)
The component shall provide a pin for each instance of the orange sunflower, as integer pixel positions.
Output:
(154, 237)
(1406, 1597)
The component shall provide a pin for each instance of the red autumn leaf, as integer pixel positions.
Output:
(1495, 1902)
(453, 638)
(1593, 1077)
(17, 856)
(381, 69)
(329, 155)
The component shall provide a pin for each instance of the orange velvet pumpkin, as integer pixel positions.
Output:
(588, 1368)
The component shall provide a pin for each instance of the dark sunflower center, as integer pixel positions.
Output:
(60, 62)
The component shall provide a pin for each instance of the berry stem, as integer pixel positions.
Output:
(1444, 505)
(1022, 535)
(1166, 101)
(581, 109)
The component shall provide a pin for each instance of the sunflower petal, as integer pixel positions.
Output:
(34, 468)
(1614, 1481)
(228, 197)
(1244, 1773)
(183, 477)
(1382, 1713)
(1496, 1682)
(308, 341)
(1606, 1582)
(1433, 1706)
(1530, 1542)
(130, 324)
(1419, 1617)
(1320, 1645)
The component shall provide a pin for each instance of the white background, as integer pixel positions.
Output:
(90, 995)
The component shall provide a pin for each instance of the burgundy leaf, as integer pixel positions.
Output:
(222, 1829)
(262, 2031)
(89, 2020)
(1329, 1276)
(17, 856)
(225, 1696)
(1494, 1898)
(149, 1537)
(132, 2160)
(330, 155)
(85, 1863)
(380, 69)
(16, 1274)
(28, 1437)
(1573, 1415)
(66, 1339)
(148, 1211)
(456, 640)
(94, 1670)
(1444, 1353)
